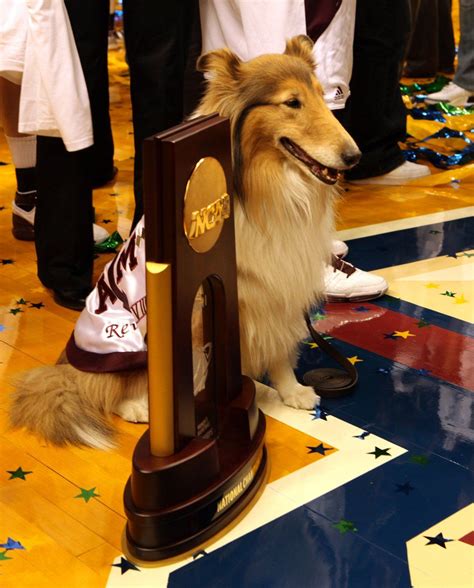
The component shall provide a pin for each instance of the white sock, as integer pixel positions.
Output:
(23, 151)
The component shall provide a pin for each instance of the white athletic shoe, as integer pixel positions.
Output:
(24, 220)
(339, 248)
(398, 176)
(100, 234)
(451, 94)
(345, 283)
(28, 215)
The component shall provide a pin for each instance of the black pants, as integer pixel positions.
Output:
(375, 115)
(431, 47)
(163, 41)
(63, 223)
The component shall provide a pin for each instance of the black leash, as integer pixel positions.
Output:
(330, 382)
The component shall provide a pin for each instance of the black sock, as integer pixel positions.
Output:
(26, 179)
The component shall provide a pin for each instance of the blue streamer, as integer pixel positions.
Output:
(462, 157)
(447, 133)
(426, 114)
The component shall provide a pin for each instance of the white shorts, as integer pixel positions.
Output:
(13, 32)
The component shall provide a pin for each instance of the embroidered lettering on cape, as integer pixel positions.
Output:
(125, 260)
(119, 330)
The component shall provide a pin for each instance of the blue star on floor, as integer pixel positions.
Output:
(319, 449)
(406, 488)
(11, 544)
(319, 413)
(125, 566)
(438, 540)
(361, 309)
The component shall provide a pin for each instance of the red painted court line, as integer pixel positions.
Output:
(445, 354)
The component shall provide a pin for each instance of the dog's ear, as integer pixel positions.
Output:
(301, 46)
(221, 63)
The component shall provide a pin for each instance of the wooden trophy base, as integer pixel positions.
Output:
(176, 503)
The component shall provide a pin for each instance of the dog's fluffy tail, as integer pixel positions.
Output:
(66, 406)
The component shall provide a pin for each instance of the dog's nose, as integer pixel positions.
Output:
(350, 158)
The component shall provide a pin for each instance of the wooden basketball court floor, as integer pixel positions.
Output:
(371, 490)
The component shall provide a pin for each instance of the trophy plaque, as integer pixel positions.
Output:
(203, 458)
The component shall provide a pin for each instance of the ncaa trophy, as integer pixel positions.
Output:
(203, 458)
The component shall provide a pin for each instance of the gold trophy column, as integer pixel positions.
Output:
(160, 362)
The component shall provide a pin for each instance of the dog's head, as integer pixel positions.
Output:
(277, 113)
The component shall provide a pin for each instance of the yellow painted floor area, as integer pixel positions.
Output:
(444, 284)
(71, 542)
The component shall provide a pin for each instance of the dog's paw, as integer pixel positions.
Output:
(134, 410)
(300, 396)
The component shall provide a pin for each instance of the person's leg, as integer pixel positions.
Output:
(423, 50)
(447, 48)
(375, 114)
(158, 40)
(90, 25)
(193, 80)
(464, 76)
(63, 224)
(460, 91)
(23, 152)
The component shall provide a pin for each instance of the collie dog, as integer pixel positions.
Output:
(288, 153)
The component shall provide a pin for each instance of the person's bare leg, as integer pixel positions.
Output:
(9, 106)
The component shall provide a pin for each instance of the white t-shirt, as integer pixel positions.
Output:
(254, 27)
(38, 51)
(13, 33)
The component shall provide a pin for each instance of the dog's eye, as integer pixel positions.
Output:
(293, 103)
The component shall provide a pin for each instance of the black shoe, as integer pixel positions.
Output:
(73, 299)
